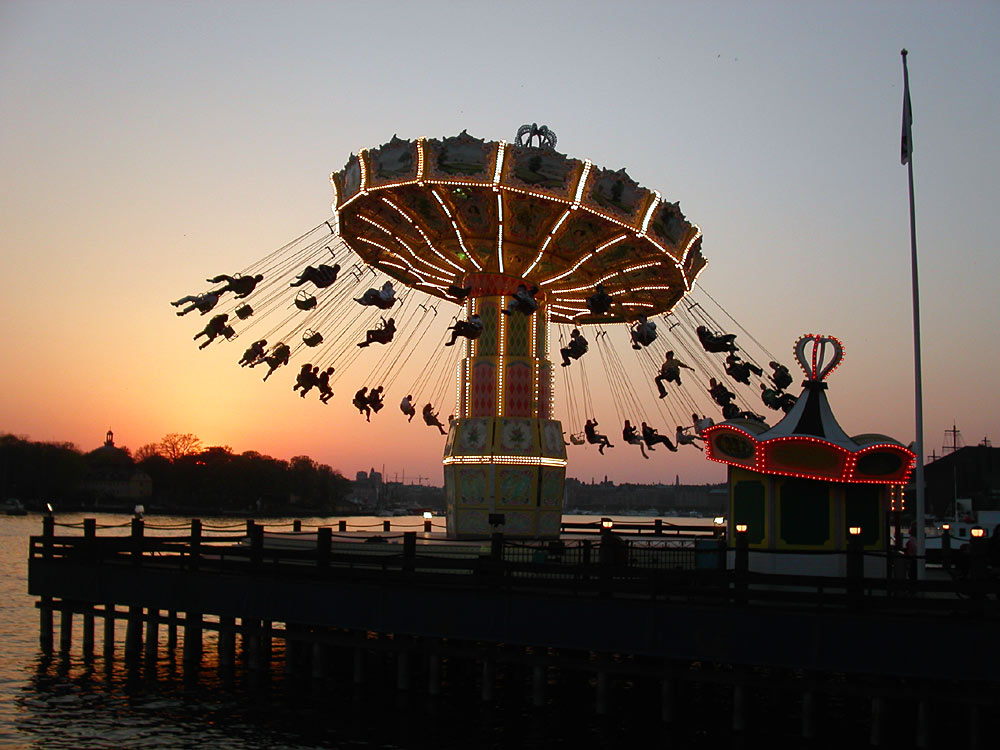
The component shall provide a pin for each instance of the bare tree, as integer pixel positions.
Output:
(176, 445)
(147, 451)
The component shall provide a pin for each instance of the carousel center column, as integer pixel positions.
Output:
(504, 460)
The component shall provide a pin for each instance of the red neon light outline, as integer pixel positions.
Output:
(850, 457)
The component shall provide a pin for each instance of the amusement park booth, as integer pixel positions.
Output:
(804, 487)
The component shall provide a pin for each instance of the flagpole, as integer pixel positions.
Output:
(918, 478)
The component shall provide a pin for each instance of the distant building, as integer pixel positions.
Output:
(971, 472)
(113, 477)
(368, 489)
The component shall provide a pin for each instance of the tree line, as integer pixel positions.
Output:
(185, 476)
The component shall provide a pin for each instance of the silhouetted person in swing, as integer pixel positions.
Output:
(651, 437)
(600, 301)
(681, 437)
(381, 335)
(406, 406)
(739, 370)
(596, 438)
(203, 303)
(643, 333)
(470, 329)
(431, 418)
(360, 402)
(716, 343)
(732, 411)
(700, 424)
(307, 379)
(216, 327)
(719, 393)
(278, 357)
(522, 301)
(241, 286)
(375, 399)
(776, 400)
(631, 436)
(321, 276)
(323, 384)
(254, 353)
(670, 371)
(383, 298)
(576, 347)
(780, 376)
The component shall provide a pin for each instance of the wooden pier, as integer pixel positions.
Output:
(660, 608)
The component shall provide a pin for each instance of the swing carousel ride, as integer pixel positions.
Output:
(509, 244)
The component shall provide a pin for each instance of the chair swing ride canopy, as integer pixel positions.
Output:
(435, 213)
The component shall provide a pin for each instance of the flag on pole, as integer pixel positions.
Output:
(907, 140)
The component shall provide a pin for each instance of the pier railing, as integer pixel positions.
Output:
(691, 569)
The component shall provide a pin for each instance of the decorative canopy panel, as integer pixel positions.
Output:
(809, 442)
(432, 212)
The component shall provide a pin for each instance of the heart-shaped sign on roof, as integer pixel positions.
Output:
(818, 356)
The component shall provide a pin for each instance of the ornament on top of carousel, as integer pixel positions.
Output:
(815, 363)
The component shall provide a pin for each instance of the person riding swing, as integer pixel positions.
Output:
(381, 335)
(596, 438)
(631, 436)
(575, 349)
(522, 301)
(321, 276)
(470, 329)
(643, 332)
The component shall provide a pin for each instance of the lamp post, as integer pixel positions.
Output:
(741, 566)
(855, 565)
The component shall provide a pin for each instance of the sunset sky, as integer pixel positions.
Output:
(145, 146)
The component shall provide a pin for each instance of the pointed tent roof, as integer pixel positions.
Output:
(809, 442)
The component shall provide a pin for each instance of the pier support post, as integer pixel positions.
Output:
(808, 715)
(45, 624)
(88, 632)
(923, 738)
(434, 668)
(138, 528)
(489, 679)
(320, 654)
(358, 675)
(739, 708)
(539, 678)
(402, 663)
(252, 644)
(602, 689)
(192, 637)
(667, 692)
(109, 632)
(194, 558)
(65, 628)
(324, 535)
(876, 734)
(133, 632)
(227, 641)
(266, 641)
(152, 634)
(172, 630)
(975, 728)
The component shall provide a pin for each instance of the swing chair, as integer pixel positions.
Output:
(312, 338)
(305, 301)
(577, 438)
(243, 312)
